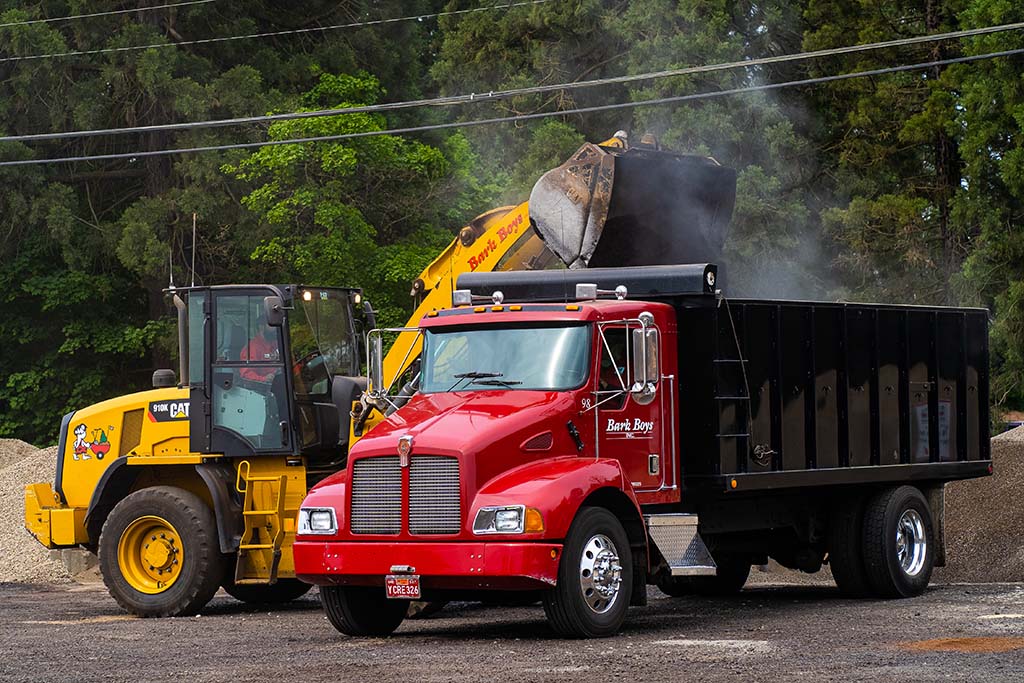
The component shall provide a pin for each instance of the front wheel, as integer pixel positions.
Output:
(595, 578)
(159, 553)
(359, 611)
(899, 547)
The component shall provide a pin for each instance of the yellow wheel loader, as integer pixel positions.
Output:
(196, 483)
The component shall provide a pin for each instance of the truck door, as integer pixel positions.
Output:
(626, 430)
(247, 407)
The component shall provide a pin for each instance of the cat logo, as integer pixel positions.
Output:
(168, 411)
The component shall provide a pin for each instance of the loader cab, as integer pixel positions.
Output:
(273, 370)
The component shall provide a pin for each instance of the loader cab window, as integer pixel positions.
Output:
(323, 340)
(249, 391)
(196, 345)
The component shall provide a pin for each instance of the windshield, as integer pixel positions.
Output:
(538, 358)
(322, 339)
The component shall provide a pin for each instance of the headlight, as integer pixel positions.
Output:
(317, 521)
(508, 519)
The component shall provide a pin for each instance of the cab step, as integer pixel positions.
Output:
(679, 541)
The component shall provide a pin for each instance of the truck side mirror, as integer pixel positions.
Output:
(646, 370)
(274, 308)
(375, 349)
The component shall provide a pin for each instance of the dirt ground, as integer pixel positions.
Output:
(767, 633)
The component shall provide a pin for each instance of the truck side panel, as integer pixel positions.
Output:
(832, 387)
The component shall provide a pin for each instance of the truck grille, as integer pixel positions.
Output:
(434, 501)
(377, 496)
(434, 495)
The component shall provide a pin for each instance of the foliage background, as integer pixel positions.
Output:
(907, 187)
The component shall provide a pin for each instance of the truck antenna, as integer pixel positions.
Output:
(193, 248)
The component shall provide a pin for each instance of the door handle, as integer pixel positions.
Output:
(284, 432)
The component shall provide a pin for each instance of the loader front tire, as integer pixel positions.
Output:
(159, 553)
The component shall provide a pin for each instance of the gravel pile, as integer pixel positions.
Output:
(984, 519)
(22, 558)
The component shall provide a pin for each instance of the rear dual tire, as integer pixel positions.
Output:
(883, 546)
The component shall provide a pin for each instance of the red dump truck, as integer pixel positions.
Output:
(578, 435)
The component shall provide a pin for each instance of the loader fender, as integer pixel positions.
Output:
(220, 479)
(558, 487)
(115, 483)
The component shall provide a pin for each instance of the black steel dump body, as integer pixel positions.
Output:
(788, 394)
(791, 393)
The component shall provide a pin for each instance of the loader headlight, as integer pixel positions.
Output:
(317, 521)
(508, 519)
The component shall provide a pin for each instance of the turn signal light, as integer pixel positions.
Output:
(534, 521)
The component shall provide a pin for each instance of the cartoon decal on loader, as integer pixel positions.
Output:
(98, 446)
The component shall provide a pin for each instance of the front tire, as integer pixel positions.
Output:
(595, 578)
(359, 611)
(159, 554)
(899, 547)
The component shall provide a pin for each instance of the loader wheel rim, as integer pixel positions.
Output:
(911, 542)
(150, 554)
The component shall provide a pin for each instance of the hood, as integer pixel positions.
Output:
(464, 422)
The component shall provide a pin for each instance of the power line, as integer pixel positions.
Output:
(505, 94)
(524, 117)
(295, 31)
(104, 14)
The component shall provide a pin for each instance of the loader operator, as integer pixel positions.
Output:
(262, 347)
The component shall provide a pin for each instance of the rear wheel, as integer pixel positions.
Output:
(846, 548)
(899, 546)
(359, 611)
(595, 578)
(284, 590)
(159, 554)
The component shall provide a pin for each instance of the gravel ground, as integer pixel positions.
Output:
(23, 558)
(71, 633)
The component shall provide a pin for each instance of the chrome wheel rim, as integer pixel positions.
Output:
(600, 574)
(911, 542)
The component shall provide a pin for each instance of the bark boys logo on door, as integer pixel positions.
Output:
(168, 411)
(628, 428)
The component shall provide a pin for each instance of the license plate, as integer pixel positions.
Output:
(402, 586)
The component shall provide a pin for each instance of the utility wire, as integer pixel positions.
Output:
(523, 117)
(104, 14)
(505, 94)
(295, 31)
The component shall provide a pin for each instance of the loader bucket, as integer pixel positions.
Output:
(631, 207)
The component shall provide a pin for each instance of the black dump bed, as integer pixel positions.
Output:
(838, 393)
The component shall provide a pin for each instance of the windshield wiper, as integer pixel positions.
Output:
(496, 382)
(459, 378)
